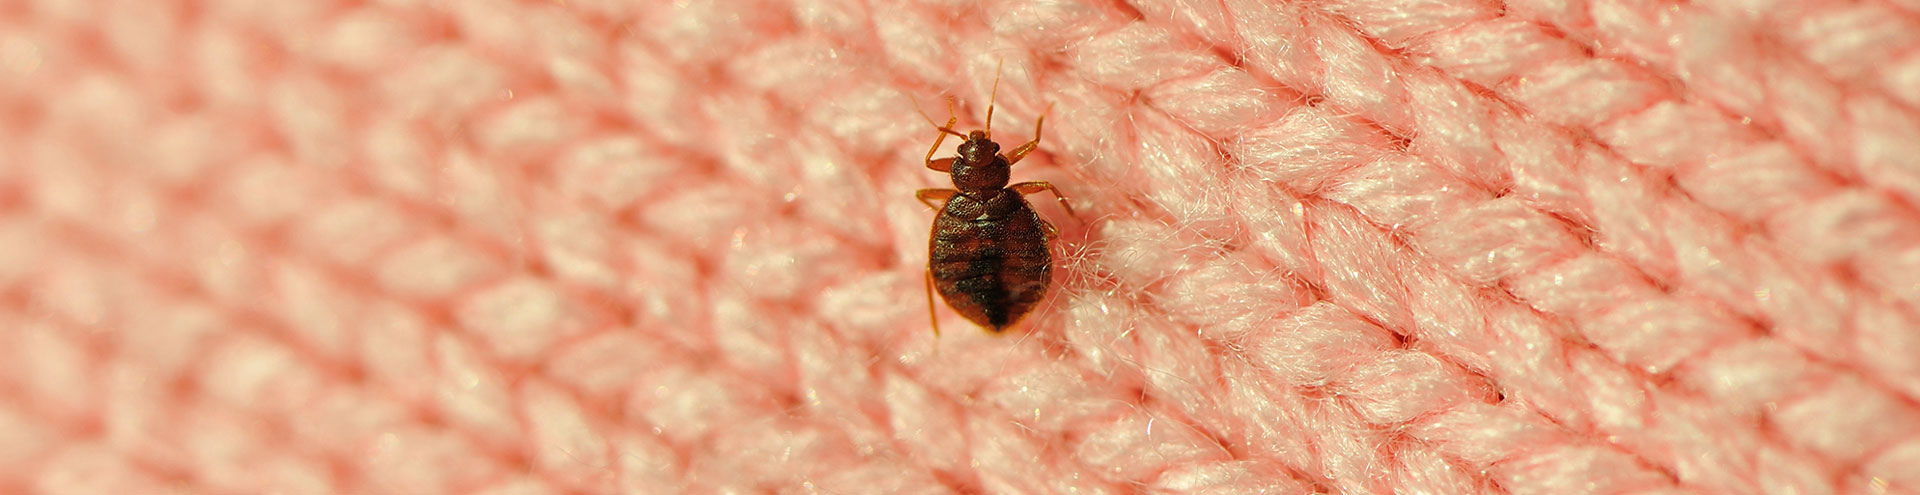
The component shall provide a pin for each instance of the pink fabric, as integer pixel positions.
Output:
(613, 246)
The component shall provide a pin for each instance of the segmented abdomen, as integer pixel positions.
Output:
(991, 269)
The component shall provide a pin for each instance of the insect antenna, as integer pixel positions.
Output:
(943, 128)
(993, 96)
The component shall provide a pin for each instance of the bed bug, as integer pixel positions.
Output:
(988, 254)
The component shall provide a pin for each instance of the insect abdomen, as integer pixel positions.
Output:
(991, 268)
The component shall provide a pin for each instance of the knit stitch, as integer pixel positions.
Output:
(607, 246)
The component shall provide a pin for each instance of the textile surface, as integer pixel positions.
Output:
(611, 246)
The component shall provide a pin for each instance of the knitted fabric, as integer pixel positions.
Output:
(636, 246)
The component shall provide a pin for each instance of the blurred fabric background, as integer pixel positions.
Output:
(610, 246)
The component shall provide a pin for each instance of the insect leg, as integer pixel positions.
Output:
(941, 195)
(1022, 150)
(943, 164)
(927, 197)
(1026, 188)
(931, 315)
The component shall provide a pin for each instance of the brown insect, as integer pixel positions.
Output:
(988, 255)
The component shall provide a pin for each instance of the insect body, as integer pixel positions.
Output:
(988, 256)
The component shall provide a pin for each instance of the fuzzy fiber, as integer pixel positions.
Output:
(503, 247)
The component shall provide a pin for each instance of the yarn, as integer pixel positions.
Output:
(596, 246)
